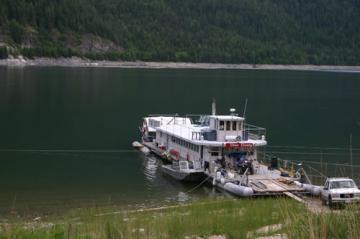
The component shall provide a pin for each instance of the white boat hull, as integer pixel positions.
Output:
(189, 175)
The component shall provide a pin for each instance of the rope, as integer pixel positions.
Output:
(194, 188)
(309, 147)
(314, 162)
(333, 164)
(312, 168)
(305, 153)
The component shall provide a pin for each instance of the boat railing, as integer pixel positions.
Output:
(173, 115)
(254, 132)
(197, 118)
(187, 132)
(165, 115)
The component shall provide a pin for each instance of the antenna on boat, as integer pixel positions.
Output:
(213, 107)
(245, 107)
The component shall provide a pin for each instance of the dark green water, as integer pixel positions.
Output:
(100, 109)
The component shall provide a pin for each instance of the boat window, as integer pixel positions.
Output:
(221, 125)
(214, 153)
(234, 125)
(183, 165)
(239, 125)
(228, 123)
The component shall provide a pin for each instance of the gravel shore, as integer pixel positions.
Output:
(79, 62)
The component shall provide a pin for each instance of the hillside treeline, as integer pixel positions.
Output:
(228, 31)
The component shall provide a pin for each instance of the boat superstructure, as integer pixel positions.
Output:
(215, 139)
(193, 148)
(220, 148)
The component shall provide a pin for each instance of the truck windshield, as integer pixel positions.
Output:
(342, 184)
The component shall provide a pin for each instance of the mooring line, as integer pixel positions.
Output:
(312, 168)
(310, 147)
(194, 188)
(308, 153)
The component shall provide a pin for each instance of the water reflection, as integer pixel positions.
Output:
(150, 167)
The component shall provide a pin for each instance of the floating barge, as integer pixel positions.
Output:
(263, 182)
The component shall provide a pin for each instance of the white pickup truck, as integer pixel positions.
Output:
(339, 190)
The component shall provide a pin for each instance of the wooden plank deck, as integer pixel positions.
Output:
(266, 181)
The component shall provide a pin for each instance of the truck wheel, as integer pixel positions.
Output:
(331, 205)
(323, 201)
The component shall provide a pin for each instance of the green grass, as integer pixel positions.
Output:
(335, 224)
(233, 218)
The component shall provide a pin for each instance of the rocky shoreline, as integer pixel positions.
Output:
(80, 62)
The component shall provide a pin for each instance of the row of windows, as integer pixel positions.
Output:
(214, 151)
(229, 125)
(185, 144)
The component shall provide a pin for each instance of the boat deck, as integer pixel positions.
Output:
(270, 182)
(266, 182)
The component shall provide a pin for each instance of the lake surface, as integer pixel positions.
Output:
(66, 133)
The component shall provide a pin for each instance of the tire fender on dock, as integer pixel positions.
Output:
(312, 189)
(239, 190)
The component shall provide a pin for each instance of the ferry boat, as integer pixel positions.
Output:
(221, 149)
(193, 150)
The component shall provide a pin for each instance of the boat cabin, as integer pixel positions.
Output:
(216, 138)
(149, 125)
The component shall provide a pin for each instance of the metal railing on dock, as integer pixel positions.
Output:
(319, 162)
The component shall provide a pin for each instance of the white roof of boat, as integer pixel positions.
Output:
(167, 120)
(227, 117)
(183, 131)
(186, 131)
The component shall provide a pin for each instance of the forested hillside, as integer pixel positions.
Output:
(228, 31)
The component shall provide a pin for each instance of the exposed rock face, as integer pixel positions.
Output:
(83, 44)
(95, 44)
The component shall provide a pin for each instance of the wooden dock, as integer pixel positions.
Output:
(270, 182)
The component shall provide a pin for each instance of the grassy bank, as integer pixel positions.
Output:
(233, 218)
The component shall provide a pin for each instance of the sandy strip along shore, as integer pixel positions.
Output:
(79, 62)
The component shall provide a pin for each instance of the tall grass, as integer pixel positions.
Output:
(233, 218)
(325, 224)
